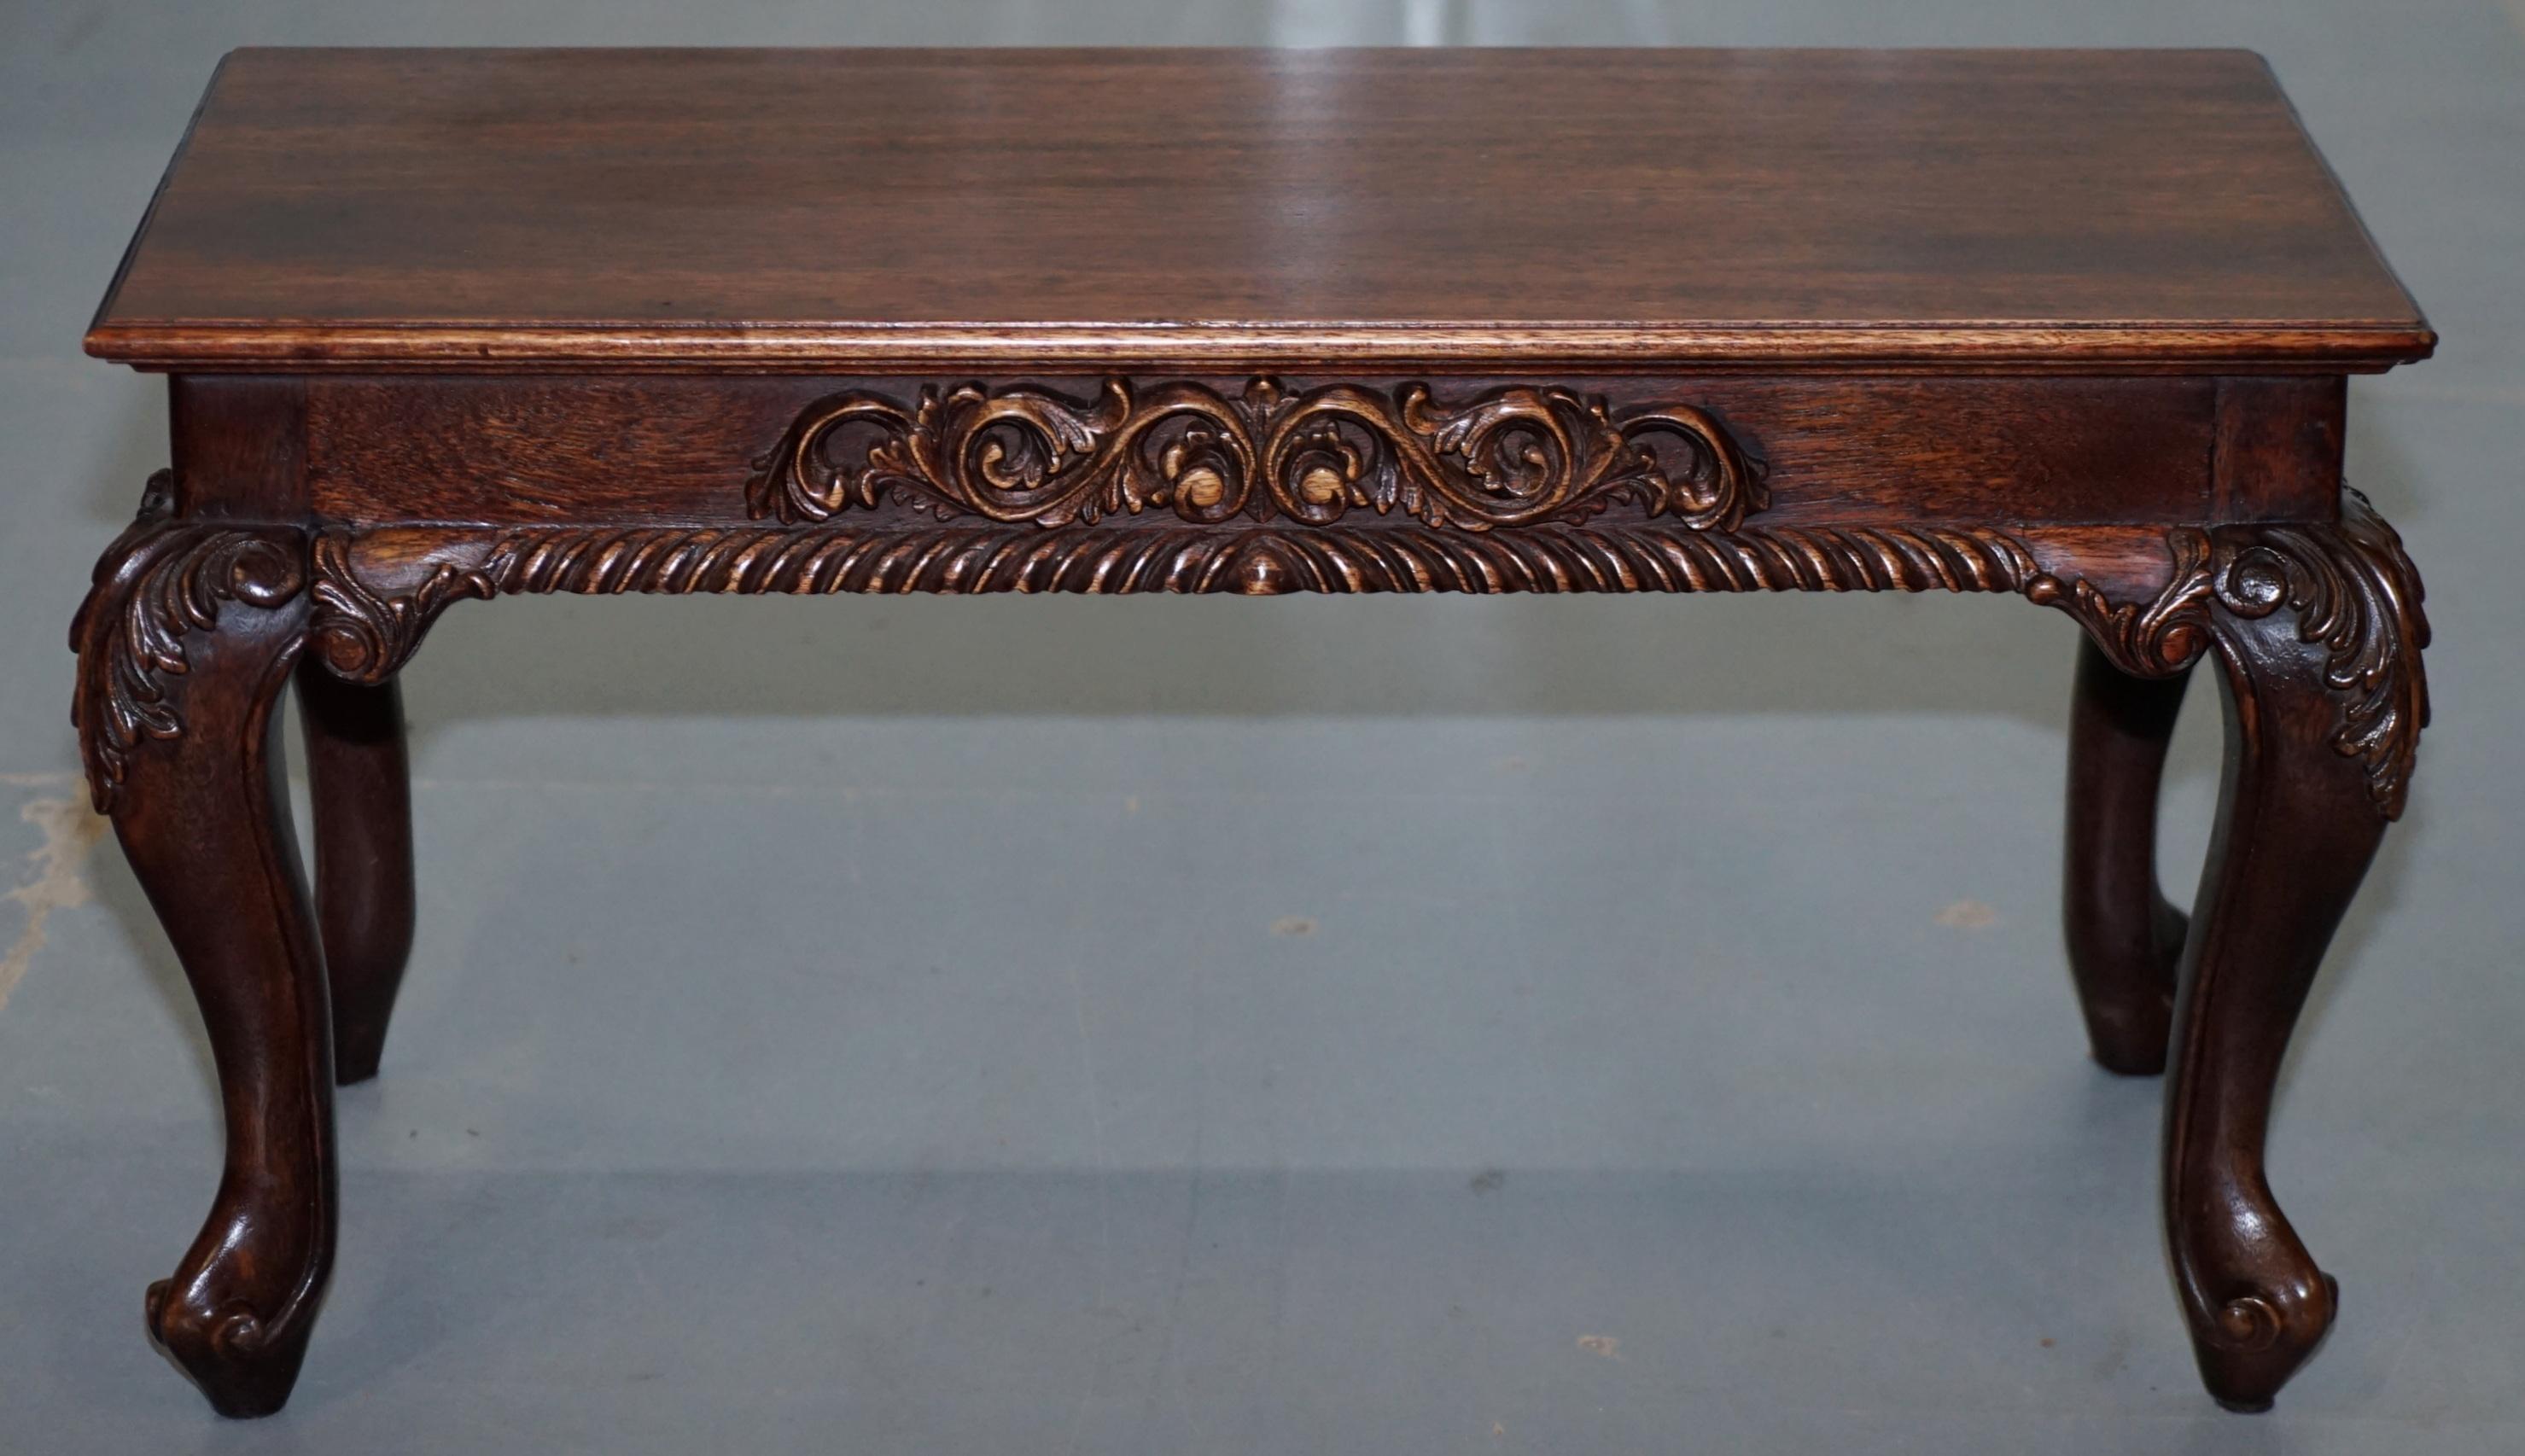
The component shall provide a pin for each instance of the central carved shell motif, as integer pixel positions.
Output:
(1512, 455)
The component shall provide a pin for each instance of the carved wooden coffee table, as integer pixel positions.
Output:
(442, 326)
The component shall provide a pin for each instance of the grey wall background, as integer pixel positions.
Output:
(1174, 1026)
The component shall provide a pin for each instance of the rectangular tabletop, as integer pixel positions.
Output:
(754, 210)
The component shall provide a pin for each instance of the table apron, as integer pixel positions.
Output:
(387, 450)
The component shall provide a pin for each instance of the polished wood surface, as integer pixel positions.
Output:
(358, 786)
(556, 447)
(2126, 937)
(451, 327)
(1405, 209)
(191, 772)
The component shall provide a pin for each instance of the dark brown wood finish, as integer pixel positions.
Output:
(454, 326)
(2125, 937)
(2289, 851)
(360, 788)
(184, 646)
(981, 210)
(2092, 450)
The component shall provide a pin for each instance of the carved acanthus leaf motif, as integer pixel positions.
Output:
(365, 637)
(1514, 455)
(2156, 640)
(2349, 586)
(2355, 593)
(160, 581)
(2352, 591)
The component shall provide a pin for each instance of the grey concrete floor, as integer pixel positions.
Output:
(1165, 1026)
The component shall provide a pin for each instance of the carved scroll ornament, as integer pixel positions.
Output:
(2352, 591)
(1509, 456)
(2349, 587)
(162, 581)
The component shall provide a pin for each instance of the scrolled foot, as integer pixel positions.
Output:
(245, 1366)
(2316, 631)
(2255, 1339)
(2319, 632)
(184, 644)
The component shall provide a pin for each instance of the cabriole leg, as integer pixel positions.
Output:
(2124, 937)
(361, 789)
(184, 646)
(2317, 631)
(2296, 829)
